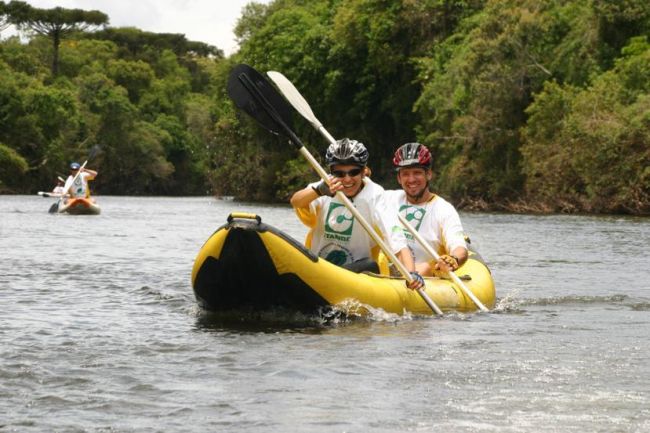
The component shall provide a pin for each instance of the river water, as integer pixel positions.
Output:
(100, 332)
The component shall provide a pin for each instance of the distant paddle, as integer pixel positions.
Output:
(55, 207)
(251, 92)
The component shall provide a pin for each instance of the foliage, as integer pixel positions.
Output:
(154, 133)
(78, 56)
(478, 84)
(238, 162)
(13, 167)
(291, 177)
(35, 119)
(525, 105)
(135, 76)
(135, 42)
(57, 23)
(4, 17)
(596, 157)
(23, 58)
(458, 76)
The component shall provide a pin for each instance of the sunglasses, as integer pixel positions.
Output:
(342, 173)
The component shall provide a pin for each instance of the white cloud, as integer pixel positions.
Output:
(209, 21)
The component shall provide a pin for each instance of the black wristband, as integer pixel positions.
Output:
(322, 188)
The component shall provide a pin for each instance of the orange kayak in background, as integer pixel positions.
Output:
(80, 206)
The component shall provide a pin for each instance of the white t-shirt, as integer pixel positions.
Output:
(80, 186)
(336, 235)
(436, 220)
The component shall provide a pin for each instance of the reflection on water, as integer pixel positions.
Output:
(256, 321)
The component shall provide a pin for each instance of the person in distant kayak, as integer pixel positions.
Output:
(334, 234)
(78, 187)
(435, 219)
(58, 189)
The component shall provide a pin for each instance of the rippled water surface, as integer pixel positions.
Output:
(100, 332)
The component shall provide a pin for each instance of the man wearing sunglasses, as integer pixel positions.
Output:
(435, 219)
(334, 234)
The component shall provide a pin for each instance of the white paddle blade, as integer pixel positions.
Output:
(294, 97)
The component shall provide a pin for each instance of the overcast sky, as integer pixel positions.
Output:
(209, 21)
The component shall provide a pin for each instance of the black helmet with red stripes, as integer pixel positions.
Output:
(412, 155)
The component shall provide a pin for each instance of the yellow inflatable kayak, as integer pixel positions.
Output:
(249, 265)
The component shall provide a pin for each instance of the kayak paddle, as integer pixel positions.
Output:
(251, 92)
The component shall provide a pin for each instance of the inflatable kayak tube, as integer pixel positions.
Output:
(249, 265)
(80, 206)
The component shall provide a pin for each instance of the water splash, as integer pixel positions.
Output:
(353, 310)
(508, 304)
(513, 303)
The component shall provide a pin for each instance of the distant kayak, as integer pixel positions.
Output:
(80, 206)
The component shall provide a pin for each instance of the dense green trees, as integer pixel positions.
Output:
(4, 17)
(13, 166)
(56, 24)
(138, 105)
(472, 80)
(589, 148)
(526, 105)
(495, 67)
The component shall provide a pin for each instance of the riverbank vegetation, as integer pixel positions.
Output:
(527, 106)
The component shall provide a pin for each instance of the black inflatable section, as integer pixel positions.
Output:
(244, 277)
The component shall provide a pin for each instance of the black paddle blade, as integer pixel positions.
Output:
(251, 92)
(94, 151)
(54, 208)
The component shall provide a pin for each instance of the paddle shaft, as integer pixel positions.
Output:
(300, 104)
(435, 255)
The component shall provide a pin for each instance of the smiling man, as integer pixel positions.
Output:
(433, 217)
(335, 235)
